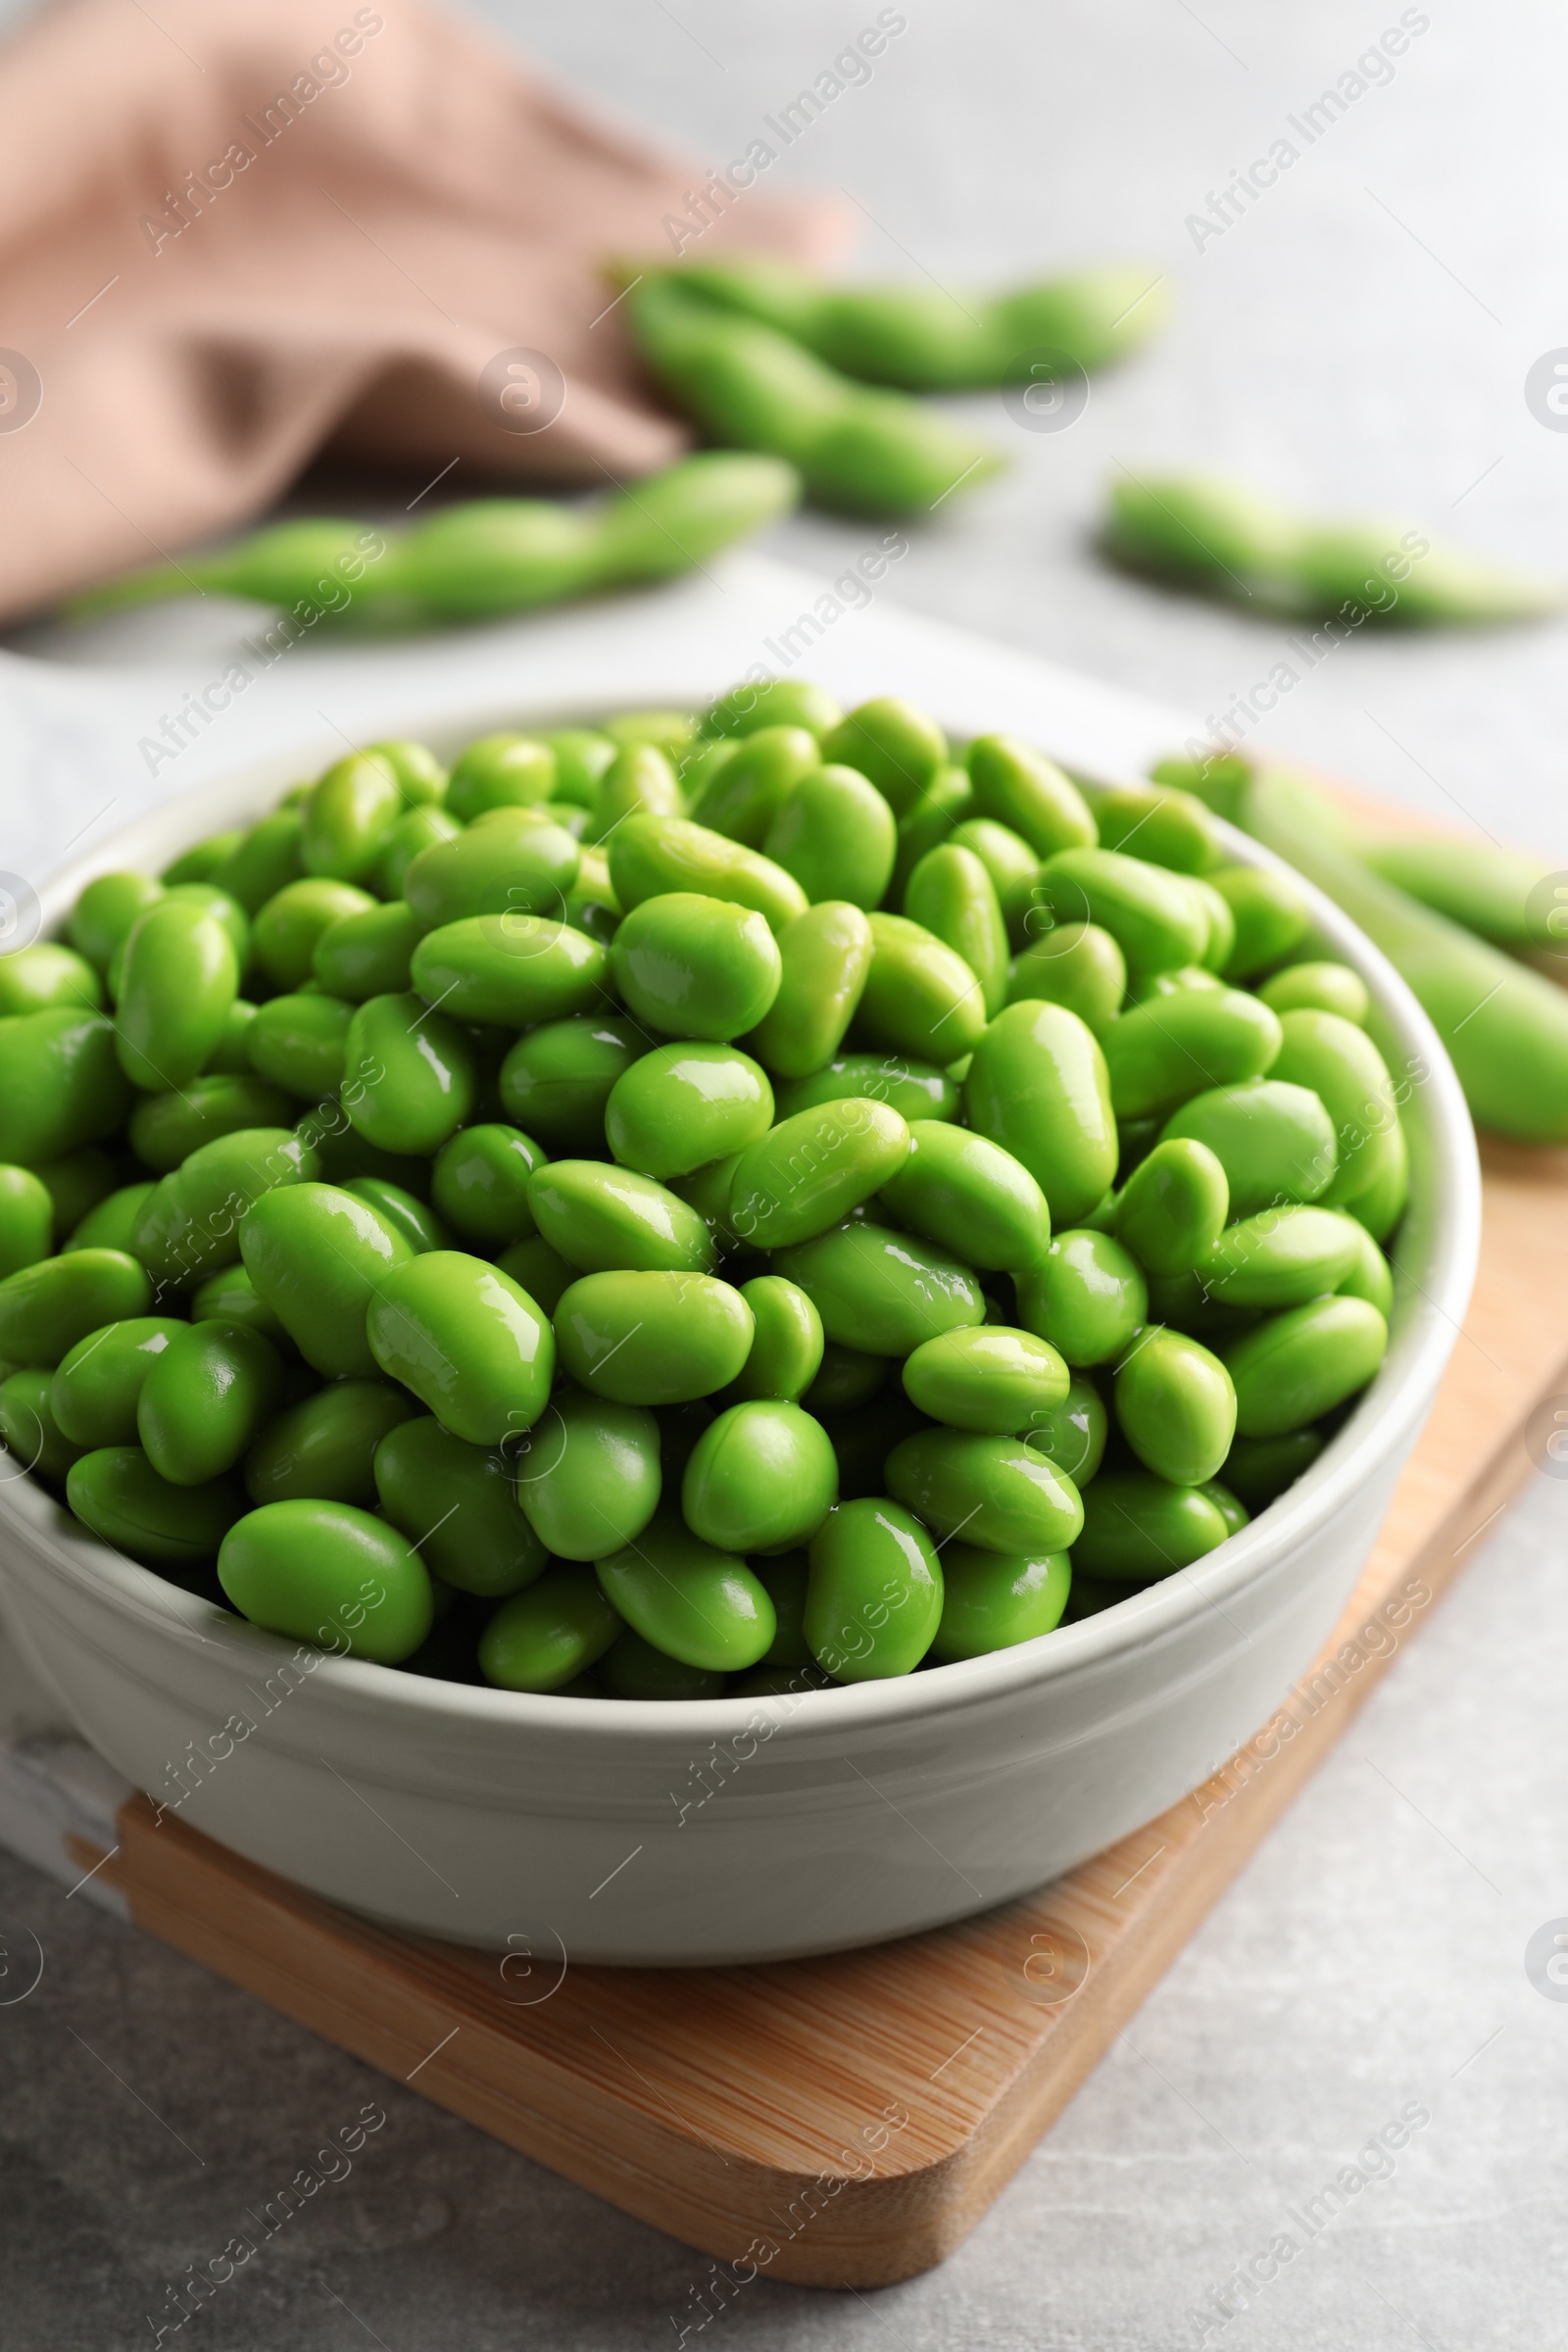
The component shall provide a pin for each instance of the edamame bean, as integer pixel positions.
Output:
(1319, 988)
(824, 956)
(326, 1572)
(31, 1430)
(289, 923)
(786, 1351)
(1075, 964)
(230, 1296)
(1344, 1068)
(557, 1079)
(469, 1341)
(1013, 867)
(1274, 1141)
(1172, 1208)
(419, 1225)
(97, 1385)
(772, 703)
(919, 998)
(588, 1475)
(1018, 787)
(510, 969)
(1137, 1527)
(539, 1270)
(951, 895)
(994, 1379)
(896, 747)
(1172, 828)
(61, 1082)
(693, 1603)
(1073, 1433)
(112, 1223)
(75, 1183)
(1299, 1366)
(408, 1075)
(682, 1105)
(1038, 1086)
(317, 1257)
(836, 836)
(207, 1394)
(415, 831)
(603, 1218)
(479, 1184)
(516, 863)
(652, 857)
(1157, 921)
(970, 1196)
(690, 965)
(263, 860)
(456, 1504)
(749, 781)
(1371, 1277)
(500, 771)
(639, 781)
(104, 913)
(806, 1173)
(1087, 1297)
(653, 1338)
(1381, 1206)
(784, 1577)
(1162, 1052)
(119, 1498)
(874, 1591)
(347, 817)
(762, 1476)
(997, 1492)
(846, 1378)
(929, 820)
(189, 1224)
(367, 955)
(994, 1600)
(1269, 913)
(300, 1043)
(323, 1448)
(47, 1307)
(27, 1219)
(1176, 1406)
(545, 1637)
(1284, 1257)
(38, 978)
(631, 1668)
(882, 1292)
(1257, 1469)
(418, 773)
(166, 1129)
(230, 1058)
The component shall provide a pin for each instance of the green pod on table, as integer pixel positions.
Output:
(206, 1396)
(230, 1296)
(317, 1257)
(639, 781)
(682, 1105)
(48, 974)
(874, 1591)
(836, 836)
(469, 1341)
(1155, 920)
(510, 969)
(408, 1075)
(97, 1384)
(806, 1173)
(27, 1219)
(287, 927)
(1299, 1366)
(119, 1498)
(915, 1090)
(166, 1129)
(997, 1492)
(1344, 1068)
(263, 860)
(694, 1604)
(1284, 1257)
(189, 1225)
(589, 1475)
(952, 897)
(500, 771)
(1162, 1052)
(1270, 915)
(1175, 1406)
(762, 1476)
(1013, 867)
(995, 1599)
(970, 1194)
(456, 1504)
(1319, 987)
(346, 816)
(415, 831)
(407, 1214)
(539, 1270)
(1172, 1209)
(1087, 1297)
(896, 747)
(691, 965)
(516, 863)
(1371, 1277)
(30, 1431)
(1018, 787)
(604, 1218)
(846, 1378)
(112, 1224)
(1073, 1433)
(557, 1079)
(1075, 964)
(323, 1448)
(993, 1380)
(479, 1184)
(824, 956)
(744, 789)
(104, 913)
(772, 703)
(327, 1573)
(632, 1668)
(1259, 1469)
(47, 1307)
(881, 1292)
(1171, 827)
(928, 821)
(545, 1637)
(367, 955)
(300, 1043)
(787, 1343)
(651, 857)
(1037, 1086)
(61, 1082)
(1137, 1527)
(582, 754)
(1274, 1140)
(919, 998)
(653, 1338)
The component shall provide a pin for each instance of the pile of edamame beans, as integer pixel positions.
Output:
(688, 1205)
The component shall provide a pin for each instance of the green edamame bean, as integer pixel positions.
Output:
(479, 1184)
(650, 856)
(289, 923)
(588, 1475)
(166, 1129)
(262, 861)
(230, 1296)
(881, 1292)
(1013, 867)
(545, 1637)
(347, 815)
(784, 1578)
(919, 998)
(104, 913)
(226, 911)
(679, 1108)
(1137, 1527)
(189, 1224)
(673, 731)
(952, 897)
(1350, 1077)
(582, 754)
(415, 831)
(97, 1385)
(689, 1601)
(786, 1351)
(1189, 978)
(762, 1476)
(1172, 1208)
(1229, 1506)
(342, 1152)
(1162, 1052)
(317, 1257)
(47, 1307)
(691, 965)
(824, 956)
(1284, 1257)
(300, 1043)
(416, 770)
(112, 1223)
(994, 1379)
(1257, 1469)
(745, 783)
(846, 1378)
(408, 1075)
(119, 1498)
(929, 820)
(603, 1218)
(206, 1396)
(539, 1270)
(1038, 1086)
(1186, 1303)
(557, 1079)
(994, 1600)
(61, 1082)
(75, 1184)
(323, 1448)
(836, 836)
(1087, 1297)
(631, 1668)
(915, 1090)
(772, 703)
(419, 1225)
(515, 862)
(896, 747)
(469, 1341)
(999, 1492)
(1018, 787)
(500, 771)
(1155, 919)
(27, 1219)
(326, 1572)
(874, 1591)
(1319, 988)
(367, 955)
(180, 978)
(653, 1338)
(1270, 915)
(1381, 1206)
(510, 969)
(639, 781)
(230, 1056)
(1171, 827)
(456, 1504)
(1073, 1433)
(1299, 1366)
(1176, 1406)
(1075, 964)
(806, 1173)
(1274, 1140)
(38, 978)
(30, 1431)
(970, 1196)
(1371, 1277)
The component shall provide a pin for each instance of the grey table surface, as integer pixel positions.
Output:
(1359, 339)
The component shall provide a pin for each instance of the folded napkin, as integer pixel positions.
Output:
(234, 234)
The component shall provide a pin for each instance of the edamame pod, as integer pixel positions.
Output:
(998, 1493)
(467, 1339)
(1299, 1366)
(1087, 1297)
(545, 1637)
(1284, 1257)
(1137, 1527)
(367, 955)
(317, 1257)
(1172, 1208)
(994, 1600)
(1162, 1052)
(693, 1603)
(993, 1380)
(1344, 1068)
(603, 1218)
(166, 1129)
(881, 1292)
(300, 1043)
(919, 998)
(824, 956)
(119, 1498)
(588, 1475)
(1155, 918)
(970, 1196)
(206, 1396)
(510, 969)
(27, 1219)
(98, 1383)
(30, 1431)
(61, 1082)
(1176, 1406)
(683, 1105)
(1038, 1086)
(915, 1090)
(951, 894)
(47, 1307)
(651, 1338)
(456, 1505)
(287, 927)
(1274, 1141)
(326, 1572)
(761, 1477)
(1319, 988)
(690, 965)
(323, 1448)
(806, 1173)
(516, 863)
(874, 1591)
(836, 835)
(557, 1079)
(1016, 786)
(786, 1351)
(408, 1075)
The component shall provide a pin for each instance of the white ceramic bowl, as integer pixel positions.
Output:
(737, 1830)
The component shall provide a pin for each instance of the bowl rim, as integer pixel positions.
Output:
(1381, 1423)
